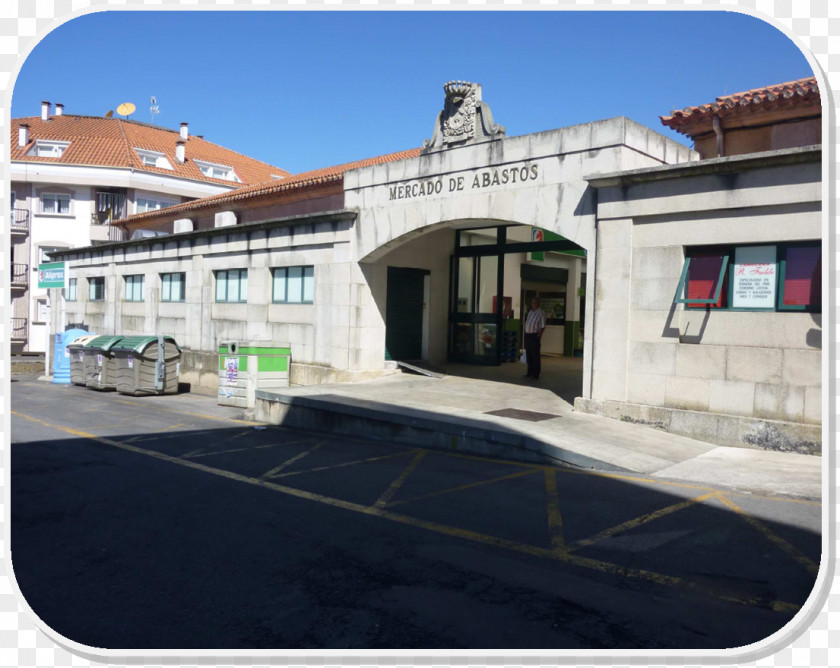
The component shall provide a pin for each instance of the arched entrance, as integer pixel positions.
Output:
(453, 299)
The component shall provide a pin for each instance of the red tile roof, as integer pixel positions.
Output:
(110, 142)
(801, 91)
(297, 182)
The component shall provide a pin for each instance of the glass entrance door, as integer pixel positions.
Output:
(474, 316)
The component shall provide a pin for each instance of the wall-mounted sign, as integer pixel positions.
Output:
(52, 275)
(521, 173)
(754, 277)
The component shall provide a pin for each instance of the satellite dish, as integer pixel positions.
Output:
(110, 114)
(125, 109)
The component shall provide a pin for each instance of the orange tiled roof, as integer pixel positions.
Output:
(766, 98)
(293, 183)
(110, 142)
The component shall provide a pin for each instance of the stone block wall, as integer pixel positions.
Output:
(704, 372)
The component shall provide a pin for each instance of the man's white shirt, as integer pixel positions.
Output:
(535, 321)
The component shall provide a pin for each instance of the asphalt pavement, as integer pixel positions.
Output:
(172, 522)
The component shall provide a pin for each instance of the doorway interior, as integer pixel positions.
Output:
(494, 272)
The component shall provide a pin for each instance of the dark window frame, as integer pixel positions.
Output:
(727, 278)
(182, 282)
(304, 270)
(96, 286)
(130, 282)
(239, 275)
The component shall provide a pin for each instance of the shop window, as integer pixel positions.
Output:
(134, 288)
(766, 277)
(172, 287)
(232, 285)
(293, 285)
(801, 278)
(96, 286)
(754, 277)
(703, 280)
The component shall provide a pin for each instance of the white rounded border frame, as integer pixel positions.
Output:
(805, 641)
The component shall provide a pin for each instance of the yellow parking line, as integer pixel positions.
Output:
(460, 488)
(643, 519)
(629, 477)
(290, 461)
(465, 534)
(382, 501)
(158, 431)
(338, 466)
(777, 540)
(210, 453)
(491, 460)
(555, 519)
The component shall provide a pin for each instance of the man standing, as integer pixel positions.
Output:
(534, 327)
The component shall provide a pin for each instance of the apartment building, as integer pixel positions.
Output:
(71, 175)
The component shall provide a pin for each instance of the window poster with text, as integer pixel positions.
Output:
(754, 284)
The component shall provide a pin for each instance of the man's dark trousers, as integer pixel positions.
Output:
(532, 354)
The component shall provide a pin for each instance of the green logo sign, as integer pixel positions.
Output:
(52, 275)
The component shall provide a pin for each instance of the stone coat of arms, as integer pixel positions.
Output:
(464, 119)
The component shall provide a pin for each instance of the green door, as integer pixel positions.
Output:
(404, 314)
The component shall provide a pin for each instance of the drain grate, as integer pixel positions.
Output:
(519, 414)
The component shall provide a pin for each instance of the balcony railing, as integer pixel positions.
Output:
(103, 231)
(20, 221)
(18, 329)
(20, 276)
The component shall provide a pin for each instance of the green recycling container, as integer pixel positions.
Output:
(99, 363)
(147, 365)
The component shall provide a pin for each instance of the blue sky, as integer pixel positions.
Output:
(309, 89)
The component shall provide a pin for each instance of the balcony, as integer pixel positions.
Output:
(101, 229)
(20, 276)
(18, 329)
(19, 222)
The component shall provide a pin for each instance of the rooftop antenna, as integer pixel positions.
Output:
(125, 109)
(153, 109)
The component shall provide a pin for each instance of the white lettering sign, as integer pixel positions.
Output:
(754, 284)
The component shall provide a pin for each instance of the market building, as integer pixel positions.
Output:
(686, 284)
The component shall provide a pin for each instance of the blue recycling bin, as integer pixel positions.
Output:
(61, 356)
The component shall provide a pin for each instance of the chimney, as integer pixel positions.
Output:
(23, 134)
(180, 150)
(45, 110)
(59, 109)
(185, 131)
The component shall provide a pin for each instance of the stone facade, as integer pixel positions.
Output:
(633, 199)
(653, 353)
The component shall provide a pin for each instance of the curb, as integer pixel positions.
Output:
(409, 426)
